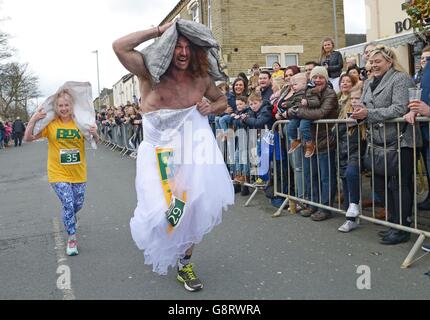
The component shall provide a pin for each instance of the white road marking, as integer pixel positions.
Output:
(65, 284)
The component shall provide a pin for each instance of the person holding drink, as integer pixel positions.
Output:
(418, 107)
(384, 98)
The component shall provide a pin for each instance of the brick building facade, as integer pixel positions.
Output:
(254, 31)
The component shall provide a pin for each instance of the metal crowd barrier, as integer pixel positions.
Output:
(292, 198)
(246, 161)
(287, 171)
(125, 137)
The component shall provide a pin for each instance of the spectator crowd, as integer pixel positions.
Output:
(355, 100)
(11, 133)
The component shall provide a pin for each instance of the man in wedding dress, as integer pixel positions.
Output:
(177, 203)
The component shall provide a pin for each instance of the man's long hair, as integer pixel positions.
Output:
(199, 62)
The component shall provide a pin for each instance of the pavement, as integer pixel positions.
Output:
(249, 256)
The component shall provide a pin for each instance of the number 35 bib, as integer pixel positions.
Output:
(70, 156)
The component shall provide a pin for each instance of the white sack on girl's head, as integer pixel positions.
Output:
(83, 109)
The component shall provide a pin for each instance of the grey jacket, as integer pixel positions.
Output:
(389, 100)
(158, 55)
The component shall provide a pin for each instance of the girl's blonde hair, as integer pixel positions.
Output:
(348, 108)
(63, 93)
(389, 55)
(300, 77)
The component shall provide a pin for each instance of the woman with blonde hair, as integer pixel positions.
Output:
(386, 97)
(67, 169)
(332, 60)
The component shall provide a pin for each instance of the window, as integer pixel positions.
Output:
(209, 14)
(291, 59)
(270, 59)
(195, 12)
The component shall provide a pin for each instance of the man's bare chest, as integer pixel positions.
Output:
(178, 95)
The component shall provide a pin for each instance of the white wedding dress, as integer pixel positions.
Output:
(197, 171)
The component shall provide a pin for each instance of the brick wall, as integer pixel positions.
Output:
(243, 26)
(248, 24)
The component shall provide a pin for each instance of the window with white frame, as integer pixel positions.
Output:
(291, 59)
(271, 59)
(194, 8)
(209, 14)
(285, 55)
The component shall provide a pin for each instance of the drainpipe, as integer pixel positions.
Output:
(336, 42)
(379, 20)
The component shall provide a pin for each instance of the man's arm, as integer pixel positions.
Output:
(218, 100)
(132, 59)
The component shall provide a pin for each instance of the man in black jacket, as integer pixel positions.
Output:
(265, 84)
(18, 129)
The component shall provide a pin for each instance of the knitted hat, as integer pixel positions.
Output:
(319, 71)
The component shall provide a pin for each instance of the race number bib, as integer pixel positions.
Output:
(69, 157)
(175, 211)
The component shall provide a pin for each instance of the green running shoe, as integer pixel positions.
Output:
(187, 276)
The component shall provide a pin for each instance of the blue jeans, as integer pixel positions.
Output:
(225, 121)
(425, 148)
(303, 125)
(241, 166)
(211, 119)
(323, 184)
(351, 186)
(284, 178)
(297, 165)
(217, 126)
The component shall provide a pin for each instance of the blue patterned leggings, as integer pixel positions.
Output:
(72, 199)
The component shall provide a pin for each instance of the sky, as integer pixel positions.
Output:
(57, 38)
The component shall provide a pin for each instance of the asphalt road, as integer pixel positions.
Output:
(249, 256)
